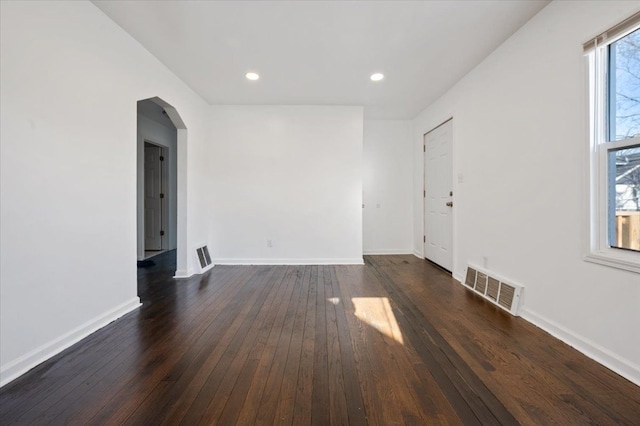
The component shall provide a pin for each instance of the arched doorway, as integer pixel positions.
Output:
(161, 186)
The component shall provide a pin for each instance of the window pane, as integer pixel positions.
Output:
(624, 201)
(624, 87)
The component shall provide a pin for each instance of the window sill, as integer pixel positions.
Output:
(625, 261)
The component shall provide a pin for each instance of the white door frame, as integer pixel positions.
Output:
(424, 210)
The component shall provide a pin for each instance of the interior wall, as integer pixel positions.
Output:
(288, 175)
(70, 82)
(156, 133)
(387, 187)
(520, 166)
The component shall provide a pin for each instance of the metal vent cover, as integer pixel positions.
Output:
(471, 277)
(493, 287)
(507, 293)
(481, 282)
(203, 257)
(498, 291)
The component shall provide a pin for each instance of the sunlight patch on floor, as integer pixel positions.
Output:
(377, 312)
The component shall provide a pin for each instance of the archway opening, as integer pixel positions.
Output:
(161, 183)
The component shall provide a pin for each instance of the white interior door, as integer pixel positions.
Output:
(438, 195)
(152, 197)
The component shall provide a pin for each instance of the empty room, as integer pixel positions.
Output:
(320, 212)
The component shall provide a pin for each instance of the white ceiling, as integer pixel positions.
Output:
(322, 52)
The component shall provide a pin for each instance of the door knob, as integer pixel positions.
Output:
(450, 204)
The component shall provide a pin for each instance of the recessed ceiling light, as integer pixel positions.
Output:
(377, 76)
(252, 76)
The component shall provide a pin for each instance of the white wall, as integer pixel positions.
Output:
(520, 143)
(70, 82)
(289, 174)
(154, 132)
(387, 187)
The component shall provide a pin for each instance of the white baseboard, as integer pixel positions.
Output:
(183, 273)
(619, 365)
(623, 367)
(418, 254)
(319, 261)
(16, 368)
(387, 251)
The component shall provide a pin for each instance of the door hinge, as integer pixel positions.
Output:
(424, 238)
(161, 158)
(424, 148)
(162, 233)
(424, 193)
(161, 195)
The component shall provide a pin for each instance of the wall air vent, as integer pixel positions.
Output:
(498, 291)
(204, 259)
(492, 289)
(481, 282)
(507, 293)
(471, 277)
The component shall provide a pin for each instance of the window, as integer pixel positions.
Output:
(614, 81)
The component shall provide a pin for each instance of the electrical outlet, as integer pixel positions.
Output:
(269, 243)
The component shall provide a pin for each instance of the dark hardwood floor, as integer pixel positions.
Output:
(396, 341)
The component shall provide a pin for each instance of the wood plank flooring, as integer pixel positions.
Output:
(396, 341)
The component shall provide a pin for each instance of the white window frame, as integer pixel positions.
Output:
(599, 250)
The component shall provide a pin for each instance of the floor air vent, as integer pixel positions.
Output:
(496, 290)
(204, 259)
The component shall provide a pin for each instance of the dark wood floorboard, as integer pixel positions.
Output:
(396, 341)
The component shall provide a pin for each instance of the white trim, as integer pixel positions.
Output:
(313, 261)
(619, 365)
(610, 258)
(182, 274)
(417, 254)
(387, 251)
(458, 277)
(16, 368)
(597, 248)
(614, 34)
(601, 355)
